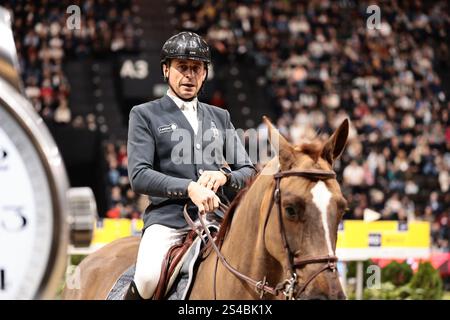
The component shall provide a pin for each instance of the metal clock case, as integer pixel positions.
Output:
(83, 215)
(33, 205)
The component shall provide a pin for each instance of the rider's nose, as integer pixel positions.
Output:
(189, 72)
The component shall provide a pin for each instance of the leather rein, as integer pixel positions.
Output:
(289, 288)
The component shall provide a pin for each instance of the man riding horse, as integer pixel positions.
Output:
(172, 178)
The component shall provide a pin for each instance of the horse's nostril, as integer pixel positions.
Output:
(342, 296)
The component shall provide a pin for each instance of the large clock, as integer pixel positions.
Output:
(33, 187)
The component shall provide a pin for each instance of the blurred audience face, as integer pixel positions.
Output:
(185, 77)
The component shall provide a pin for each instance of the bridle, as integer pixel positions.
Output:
(294, 260)
(289, 288)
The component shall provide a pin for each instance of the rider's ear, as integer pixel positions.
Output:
(334, 147)
(283, 148)
(166, 72)
(206, 72)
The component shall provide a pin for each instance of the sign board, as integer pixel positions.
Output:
(108, 230)
(359, 240)
(135, 76)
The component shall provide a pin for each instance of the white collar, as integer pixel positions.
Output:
(180, 103)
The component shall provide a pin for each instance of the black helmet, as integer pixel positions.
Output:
(186, 45)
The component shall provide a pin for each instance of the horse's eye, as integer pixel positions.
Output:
(291, 212)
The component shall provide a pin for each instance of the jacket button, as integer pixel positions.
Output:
(198, 146)
(200, 172)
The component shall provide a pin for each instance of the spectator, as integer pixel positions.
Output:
(393, 208)
(43, 42)
(63, 113)
(320, 58)
(434, 203)
(354, 174)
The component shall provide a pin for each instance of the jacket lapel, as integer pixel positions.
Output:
(169, 106)
(204, 120)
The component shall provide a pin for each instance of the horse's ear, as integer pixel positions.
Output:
(334, 147)
(282, 147)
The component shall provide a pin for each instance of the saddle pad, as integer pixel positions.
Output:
(179, 283)
(185, 277)
(121, 286)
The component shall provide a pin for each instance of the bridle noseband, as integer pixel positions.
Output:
(293, 258)
(289, 288)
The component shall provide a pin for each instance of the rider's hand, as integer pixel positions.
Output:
(212, 180)
(205, 199)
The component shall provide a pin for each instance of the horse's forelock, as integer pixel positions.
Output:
(313, 149)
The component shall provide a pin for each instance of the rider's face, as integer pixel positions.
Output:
(185, 76)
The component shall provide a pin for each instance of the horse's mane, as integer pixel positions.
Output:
(228, 217)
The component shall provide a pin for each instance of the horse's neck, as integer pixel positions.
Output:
(244, 246)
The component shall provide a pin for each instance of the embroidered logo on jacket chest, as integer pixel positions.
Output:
(167, 128)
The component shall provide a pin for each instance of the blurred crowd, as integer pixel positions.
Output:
(47, 32)
(324, 64)
(123, 201)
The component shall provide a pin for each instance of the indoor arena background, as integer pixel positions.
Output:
(305, 64)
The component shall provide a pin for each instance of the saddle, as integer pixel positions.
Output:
(173, 260)
(171, 265)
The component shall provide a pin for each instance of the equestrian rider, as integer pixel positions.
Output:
(170, 160)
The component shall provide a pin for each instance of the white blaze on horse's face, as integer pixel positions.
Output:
(321, 199)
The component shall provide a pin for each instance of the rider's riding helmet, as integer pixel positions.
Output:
(186, 45)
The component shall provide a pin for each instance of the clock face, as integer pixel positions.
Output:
(33, 186)
(26, 213)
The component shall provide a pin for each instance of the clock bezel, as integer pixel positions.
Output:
(21, 110)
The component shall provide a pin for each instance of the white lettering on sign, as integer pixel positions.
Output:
(136, 70)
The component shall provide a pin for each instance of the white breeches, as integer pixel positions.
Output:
(155, 243)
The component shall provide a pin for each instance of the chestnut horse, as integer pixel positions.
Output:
(277, 241)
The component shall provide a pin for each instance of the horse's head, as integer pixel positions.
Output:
(303, 216)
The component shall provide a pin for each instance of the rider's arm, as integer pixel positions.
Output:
(241, 165)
